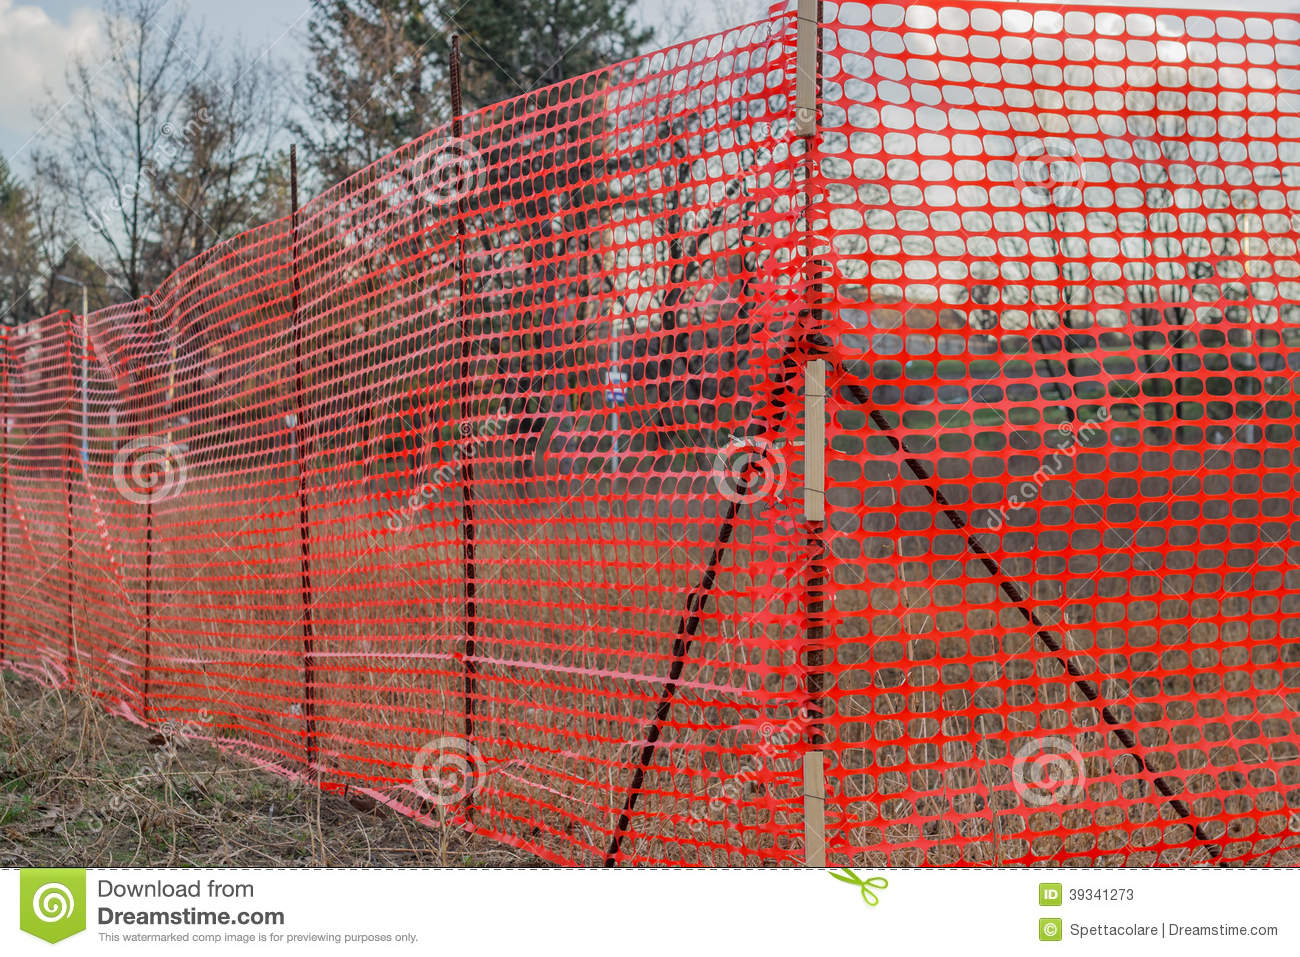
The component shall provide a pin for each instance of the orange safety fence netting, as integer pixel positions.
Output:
(478, 484)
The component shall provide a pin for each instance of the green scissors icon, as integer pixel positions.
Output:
(865, 885)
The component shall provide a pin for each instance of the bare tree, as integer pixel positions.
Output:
(60, 254)
(101, 144)
(218, 172)
(36, 248)
(159, 149)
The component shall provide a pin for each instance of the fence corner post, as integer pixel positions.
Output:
(807, 67)
(814, 769)
(808, 71)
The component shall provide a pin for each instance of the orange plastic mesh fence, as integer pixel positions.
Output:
(478, 484)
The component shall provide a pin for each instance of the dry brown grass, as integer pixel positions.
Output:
(78, 787)
(579, 599)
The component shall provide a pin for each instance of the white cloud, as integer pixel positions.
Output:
(34, 54)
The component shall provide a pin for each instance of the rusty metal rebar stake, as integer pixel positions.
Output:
(73, 652)
(465, 413)
(304, 541)
(4, 490)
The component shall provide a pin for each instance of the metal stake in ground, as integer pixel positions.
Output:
(304, 542)
(1020, 601)
(696, 604)
(67, 487)
(465, 414)
(815, 579)
(146, 663)
(689, 623)
(4, 489)
(146, 656)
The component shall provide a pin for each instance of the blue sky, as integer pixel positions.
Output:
(37, 37)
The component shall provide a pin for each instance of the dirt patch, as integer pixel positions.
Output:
(79, 787)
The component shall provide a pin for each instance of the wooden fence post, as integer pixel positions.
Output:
(814, 769)
(808, 71)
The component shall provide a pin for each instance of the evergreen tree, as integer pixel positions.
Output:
(377, 75)
(509, 47)
(18, 250)
(374, 82)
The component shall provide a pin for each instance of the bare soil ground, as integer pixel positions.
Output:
(79, 787)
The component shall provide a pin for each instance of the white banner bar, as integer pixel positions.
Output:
(658, 912)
